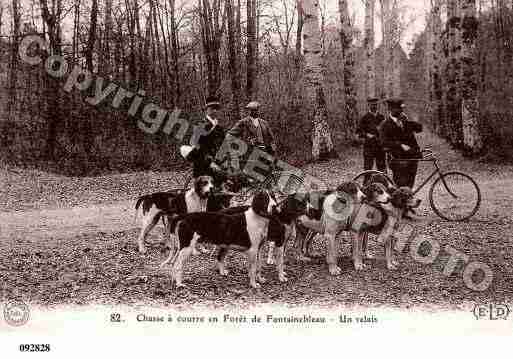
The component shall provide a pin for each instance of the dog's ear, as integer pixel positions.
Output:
(197, 184)
(260, 202)
(368, 191)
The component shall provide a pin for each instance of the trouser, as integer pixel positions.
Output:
(404, 172)
(373, 153)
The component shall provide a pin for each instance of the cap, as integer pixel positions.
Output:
(372, 100)
(395, 103)
(212, 101)
(253, 105)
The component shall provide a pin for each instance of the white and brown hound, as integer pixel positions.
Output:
(165, 205)
(243, 231)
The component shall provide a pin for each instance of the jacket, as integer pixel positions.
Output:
(392, 137)
(369, 124)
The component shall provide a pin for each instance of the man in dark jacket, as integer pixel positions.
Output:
(208, 141)
(368, 131)
(397, 135)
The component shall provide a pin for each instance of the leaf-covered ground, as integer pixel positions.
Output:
(45, 265)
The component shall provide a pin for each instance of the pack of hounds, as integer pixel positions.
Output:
(201, 215)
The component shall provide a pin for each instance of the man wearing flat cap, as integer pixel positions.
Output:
(254, 130)
(368, 131)
(397, 134)
(209, 140)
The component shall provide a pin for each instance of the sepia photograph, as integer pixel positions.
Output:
(305, 166)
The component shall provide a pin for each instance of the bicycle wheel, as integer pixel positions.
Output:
(455, 196)
(360, 178)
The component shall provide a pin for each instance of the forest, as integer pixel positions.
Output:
(311, 63)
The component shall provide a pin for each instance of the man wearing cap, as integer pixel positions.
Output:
(368, 131)
(254, 130)
(207, 142)
(397, 135)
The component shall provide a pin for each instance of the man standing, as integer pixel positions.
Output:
(397, 135)
(368, 131)
(208, 141)
(254, 130)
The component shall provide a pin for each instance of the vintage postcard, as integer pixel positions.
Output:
(315, 177)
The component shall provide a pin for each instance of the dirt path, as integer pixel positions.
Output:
(67, 222)
(38, 205)
(71, 241)
(119, 216)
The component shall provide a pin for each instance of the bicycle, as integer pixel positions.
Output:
(450, 192)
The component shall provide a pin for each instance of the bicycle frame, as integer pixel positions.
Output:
(436, 171)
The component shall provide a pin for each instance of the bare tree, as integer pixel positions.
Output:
(251, 51)
(52, 93)
(13, 68)
(313, 80)
(346, 39)
(232, 54)
(452, 92)
(368, 43)
(212, 29)
(469, 105)
(92, 36)
(434, 53)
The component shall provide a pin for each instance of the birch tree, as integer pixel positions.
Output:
(387, 47)
(346, 39)
(434, 63)
(368, 43)
(322, 145)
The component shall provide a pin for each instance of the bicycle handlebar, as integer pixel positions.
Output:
(427, 154)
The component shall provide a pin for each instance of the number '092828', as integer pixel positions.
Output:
(34, 347)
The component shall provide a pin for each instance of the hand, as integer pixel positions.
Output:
(405, 147)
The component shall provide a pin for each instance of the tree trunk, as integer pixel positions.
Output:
(434, 46)
(233, 65)
(251, 48)
(52, 112)
(388, 50)
(368, 43)
(105, 56)
(1, 18)
(92, 36)
(469, 105)
(322, 146)
(453, 74)
(211, 33)
(347, 67)
(299, 30)
(13, 68)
